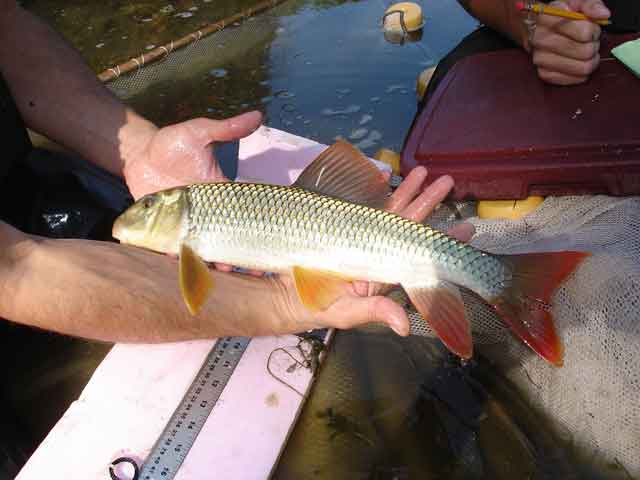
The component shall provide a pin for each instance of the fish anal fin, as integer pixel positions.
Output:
(342, 171)
(442, 306)
(195, 279)
(318, 289)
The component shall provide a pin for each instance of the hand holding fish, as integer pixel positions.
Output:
(181, 154)
(412, 201)
(565, 52)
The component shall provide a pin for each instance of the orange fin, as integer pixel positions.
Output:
(318, 289)
(442, 306)
(342, 171)
(195, 279)
(524, 306)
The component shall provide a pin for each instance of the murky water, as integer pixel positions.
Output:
(320, 69)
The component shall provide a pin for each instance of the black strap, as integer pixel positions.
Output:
(131, 461)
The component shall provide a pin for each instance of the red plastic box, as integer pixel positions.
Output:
(502, 133)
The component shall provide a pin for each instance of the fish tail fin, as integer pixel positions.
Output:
(524, 305)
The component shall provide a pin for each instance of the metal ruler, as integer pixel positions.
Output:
(185, 424)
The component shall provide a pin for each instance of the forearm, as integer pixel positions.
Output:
(501, 15)
(60, 97)
(114, 293)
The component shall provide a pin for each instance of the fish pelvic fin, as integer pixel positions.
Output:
(195, 279)
(342, 171)
(442, 307)
(525, 304)
(318, 289)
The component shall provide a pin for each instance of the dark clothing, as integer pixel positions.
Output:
(42, 372)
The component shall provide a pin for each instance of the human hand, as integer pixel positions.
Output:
(363, 302)
(181, 154)
(565, 52)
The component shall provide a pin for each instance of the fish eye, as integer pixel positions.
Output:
(148, 202)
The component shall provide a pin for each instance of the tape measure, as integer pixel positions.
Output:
(185, 424)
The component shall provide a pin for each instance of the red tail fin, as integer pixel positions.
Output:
(524, 306)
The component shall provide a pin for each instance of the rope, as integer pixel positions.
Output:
(162, 52)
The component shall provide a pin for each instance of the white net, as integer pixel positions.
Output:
(595, 398)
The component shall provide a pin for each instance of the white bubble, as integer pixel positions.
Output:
(366, 118)
(341, 111)
(358, 133)
(218, 72)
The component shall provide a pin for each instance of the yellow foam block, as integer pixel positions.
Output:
(389, 157)
(508, 209)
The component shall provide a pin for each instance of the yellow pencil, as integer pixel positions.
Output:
(558, 12)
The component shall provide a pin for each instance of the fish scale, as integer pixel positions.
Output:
(324, 229)
(290, 221)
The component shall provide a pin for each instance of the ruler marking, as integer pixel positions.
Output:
(182, 429)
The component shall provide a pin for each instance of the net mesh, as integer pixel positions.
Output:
(206, 52)
(594, 397)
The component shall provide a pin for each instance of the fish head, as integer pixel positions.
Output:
(155, 221)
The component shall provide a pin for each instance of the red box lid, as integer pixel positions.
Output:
(502, 133)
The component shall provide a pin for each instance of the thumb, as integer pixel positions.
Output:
(230, 129)
(591, 8)
(361, 311)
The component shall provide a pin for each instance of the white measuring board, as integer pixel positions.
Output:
(134, 392)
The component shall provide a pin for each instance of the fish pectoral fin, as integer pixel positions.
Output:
(342, 171)
(441, 305)
(195, 279)
(318, 289)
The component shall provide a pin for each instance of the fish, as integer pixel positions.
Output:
(329, 227)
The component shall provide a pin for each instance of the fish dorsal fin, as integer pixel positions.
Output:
(441, 305)
(342, 171)
(317, 289)
(195, 279)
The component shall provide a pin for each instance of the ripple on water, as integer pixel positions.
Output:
(329, 112)
(374, 137)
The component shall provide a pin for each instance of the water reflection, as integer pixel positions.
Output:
(315, 68)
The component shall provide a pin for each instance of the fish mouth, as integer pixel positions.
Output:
(118, 229)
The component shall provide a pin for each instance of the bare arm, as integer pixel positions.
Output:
(501, 15)
(61, 98)
(110, 292)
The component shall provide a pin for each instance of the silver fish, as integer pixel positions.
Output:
(328, 227)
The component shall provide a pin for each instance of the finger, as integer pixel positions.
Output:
(428, 200)
(407, 190)
(595, 9)
(557, 78)
(233, 128)
(356, 311)
(223, 267)
(567, 66)
(462, 231)
(577, 30)
(553, 42)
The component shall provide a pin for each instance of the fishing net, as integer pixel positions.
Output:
(594, 398)
(186, 77)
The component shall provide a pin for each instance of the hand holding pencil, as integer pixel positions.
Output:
(565, 47)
